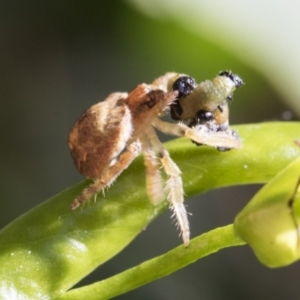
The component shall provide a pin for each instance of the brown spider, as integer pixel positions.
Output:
(111, 134)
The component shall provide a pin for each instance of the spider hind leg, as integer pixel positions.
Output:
(110, 174)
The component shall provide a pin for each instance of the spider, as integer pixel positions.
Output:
(111, 134)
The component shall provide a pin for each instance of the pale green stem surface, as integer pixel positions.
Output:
(49, 249)
(158, 267)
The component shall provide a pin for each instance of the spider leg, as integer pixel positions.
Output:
(110, 174)
(154, 181)
(173, 188)
(200, 134)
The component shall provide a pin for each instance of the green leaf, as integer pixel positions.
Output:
(270, 221)
(50, 248)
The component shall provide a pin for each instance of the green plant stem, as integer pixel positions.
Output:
(158, 267)
(49, 249)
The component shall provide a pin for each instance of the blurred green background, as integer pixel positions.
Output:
(60, 57)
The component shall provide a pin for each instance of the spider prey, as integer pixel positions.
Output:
(110, 134)
(205, 103)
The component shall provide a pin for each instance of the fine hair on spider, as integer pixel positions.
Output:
(111, 134)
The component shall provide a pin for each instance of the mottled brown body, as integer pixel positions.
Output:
(88, 138)
(118, 119)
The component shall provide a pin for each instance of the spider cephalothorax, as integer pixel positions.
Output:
(110, 134)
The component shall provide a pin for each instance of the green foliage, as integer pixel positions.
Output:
(270, 221)
(49, 249)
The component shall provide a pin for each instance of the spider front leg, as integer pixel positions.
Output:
(201, 134)
(174, 186)
(109, 175)
(154, 181)
(174, 190)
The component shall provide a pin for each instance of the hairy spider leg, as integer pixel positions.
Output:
(110, 174)
(173, 187)
(154, 181)
(210, 138)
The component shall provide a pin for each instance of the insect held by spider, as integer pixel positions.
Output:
(206, 103)
(111, 134)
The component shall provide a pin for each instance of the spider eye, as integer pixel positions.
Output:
(184, 85)
(235, 78)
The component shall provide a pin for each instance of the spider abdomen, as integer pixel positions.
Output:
(100, 134)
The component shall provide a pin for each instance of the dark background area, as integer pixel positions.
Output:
(59, 58)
